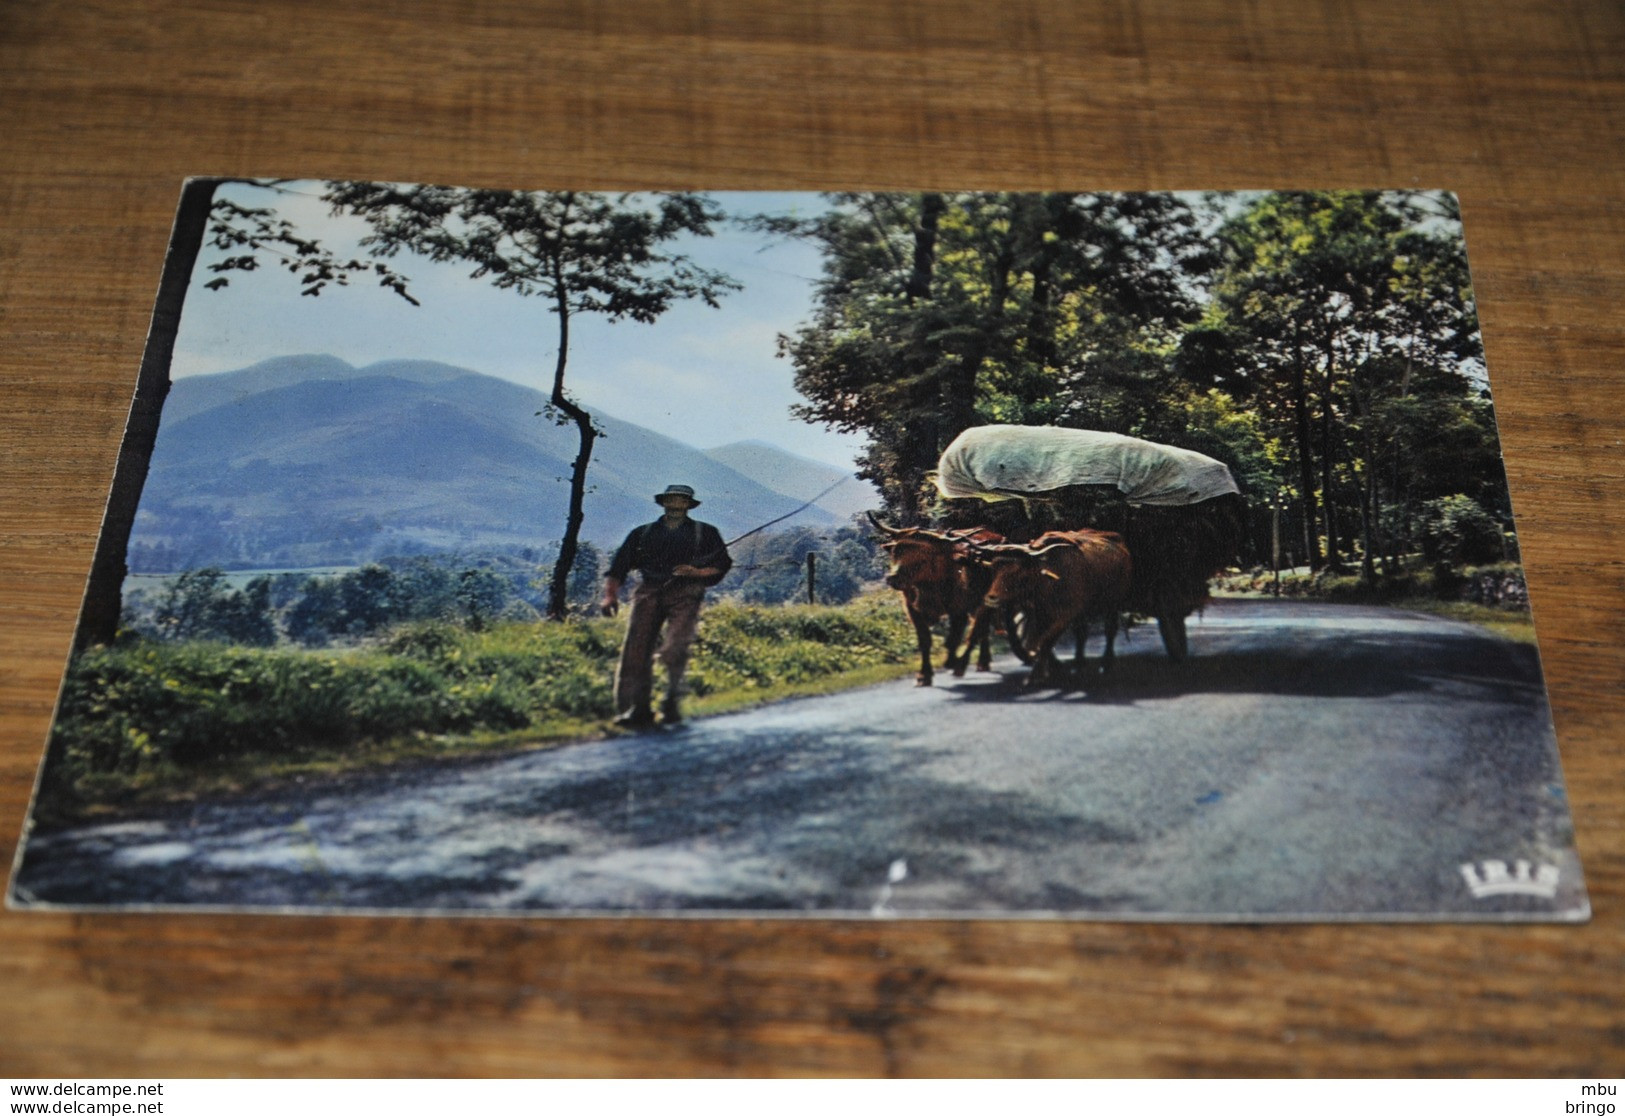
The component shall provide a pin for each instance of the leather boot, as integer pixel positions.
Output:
(637, 718)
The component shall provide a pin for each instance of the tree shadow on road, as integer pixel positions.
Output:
(793, 813)
(1333, 664)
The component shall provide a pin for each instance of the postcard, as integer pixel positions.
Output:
(1135, 556)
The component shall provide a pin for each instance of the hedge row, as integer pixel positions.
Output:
(149, 706)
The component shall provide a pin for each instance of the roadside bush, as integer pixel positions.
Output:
(1456, 530)
(1501, 585)
(199, 605)
(742, 646)
(430, 641)
(128, 709)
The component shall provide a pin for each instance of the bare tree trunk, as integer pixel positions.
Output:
(1370, 482)
(1040, 322)
(558, 594)
(558, 601)
(104, 592)
(1328, 479)
(1328, 472)
(925, 247)
(959, 389)
(1306, 467)
(1368, 528)
(918, 447)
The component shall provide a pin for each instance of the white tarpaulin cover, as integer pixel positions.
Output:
(1005, 462)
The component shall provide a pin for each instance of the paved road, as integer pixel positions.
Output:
(1308, 761)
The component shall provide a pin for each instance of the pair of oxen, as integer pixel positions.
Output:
(972, 576)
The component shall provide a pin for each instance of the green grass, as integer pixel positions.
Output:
(148, 721)
(1513, 624)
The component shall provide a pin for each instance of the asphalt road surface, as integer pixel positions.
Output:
(1308, 761)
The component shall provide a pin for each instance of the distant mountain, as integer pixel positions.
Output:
(799, 478)
(307, 460)
(202, 393)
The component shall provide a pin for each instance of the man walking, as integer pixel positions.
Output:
(678, 558)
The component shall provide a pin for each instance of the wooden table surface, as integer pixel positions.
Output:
(106, 104)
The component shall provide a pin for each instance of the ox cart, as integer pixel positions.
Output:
(1179, 511)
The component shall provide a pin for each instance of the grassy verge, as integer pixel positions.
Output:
(146, 722)
(1513, 624)
(1415, 588)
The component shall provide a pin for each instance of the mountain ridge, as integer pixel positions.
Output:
(307, 460)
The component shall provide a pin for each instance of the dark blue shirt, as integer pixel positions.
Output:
(655, 550)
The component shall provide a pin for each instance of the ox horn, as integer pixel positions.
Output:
(881, 527)
(987, 554)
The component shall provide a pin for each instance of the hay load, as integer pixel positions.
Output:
(1179, 511)
(1015, 462)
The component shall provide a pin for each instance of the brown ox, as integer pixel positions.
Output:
(937, 577)
(1063, 579)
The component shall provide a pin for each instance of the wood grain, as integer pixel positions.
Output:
(1516, 105)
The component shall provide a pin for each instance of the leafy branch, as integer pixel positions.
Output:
(252, 232)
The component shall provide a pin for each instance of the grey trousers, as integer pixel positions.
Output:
(674, 606)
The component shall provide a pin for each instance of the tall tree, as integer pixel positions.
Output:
(870, 360)
(583, 253)
(1339, 304)
(937, 312)
(248, 233)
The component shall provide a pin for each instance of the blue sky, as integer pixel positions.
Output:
(706, 377)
